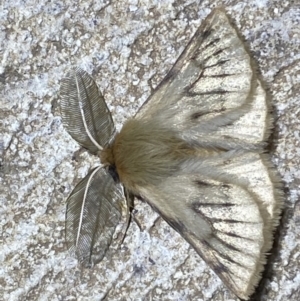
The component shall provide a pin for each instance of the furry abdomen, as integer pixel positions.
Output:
(144, 153)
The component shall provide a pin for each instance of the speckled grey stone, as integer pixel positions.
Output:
(128, 47)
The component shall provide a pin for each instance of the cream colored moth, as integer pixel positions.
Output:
(195, 152)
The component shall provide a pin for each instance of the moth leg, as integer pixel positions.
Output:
(137, 222)
(127, 210)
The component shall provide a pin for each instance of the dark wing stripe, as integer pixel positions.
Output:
(224, 256)
(228, 272)
(231, 234)
(219, 51)
(213, 42)
(196, 206)
(213, 92)
(233, 248)
(232, 221)
(212, 56)
(220, 63)
(220, 75)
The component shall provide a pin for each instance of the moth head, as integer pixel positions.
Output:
(106, 156)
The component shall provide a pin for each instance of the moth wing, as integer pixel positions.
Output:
(250, 131)
(228, 216)
(94, 209)
(212, 85)
(84, 112)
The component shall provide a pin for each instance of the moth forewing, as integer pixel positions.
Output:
(214, 72)
(252, 129)
(84, 112)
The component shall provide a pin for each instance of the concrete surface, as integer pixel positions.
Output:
(128, 46)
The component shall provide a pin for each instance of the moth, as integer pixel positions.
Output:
(195, 151)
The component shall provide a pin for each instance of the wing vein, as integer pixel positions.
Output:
(83, 204)
(80, 103)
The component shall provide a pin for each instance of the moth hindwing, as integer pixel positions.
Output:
(194, 152)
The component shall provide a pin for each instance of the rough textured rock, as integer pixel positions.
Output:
(128, 46)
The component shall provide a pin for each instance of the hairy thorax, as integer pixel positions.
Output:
(144, 153)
